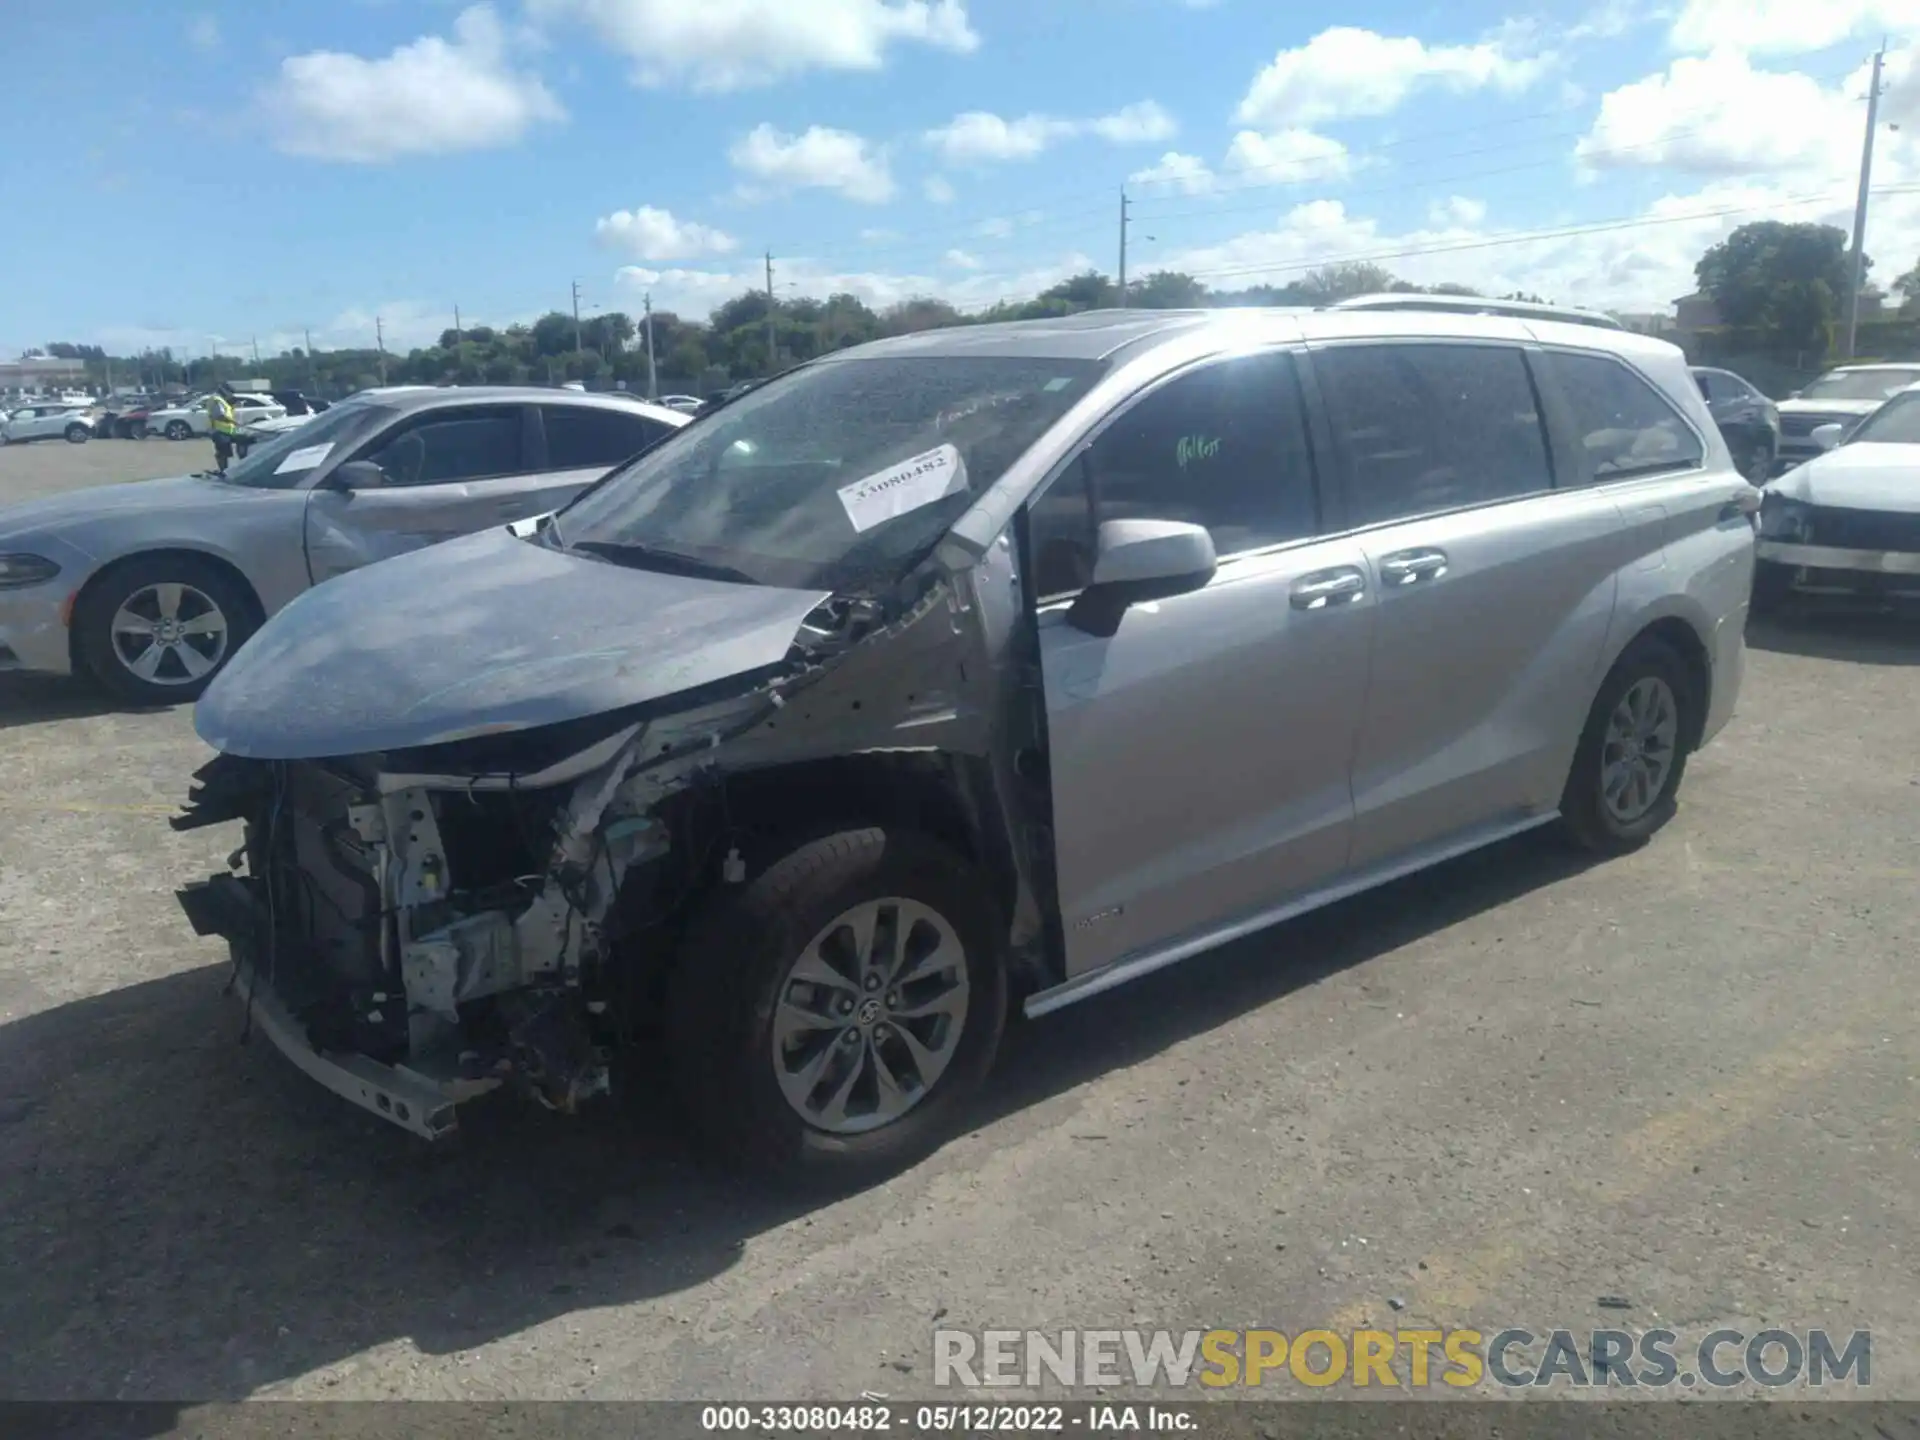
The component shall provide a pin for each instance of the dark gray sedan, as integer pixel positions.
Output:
(151, 586)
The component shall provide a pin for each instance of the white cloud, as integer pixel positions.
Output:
(1345, 71)
(204, 33)
(1716, 115)
(650, 234)
(998, 228)
(1188, 174)
(1457, 211)
(1287, 157)
(1136, 124)
(820, 159)
(979, 137)
(937, 189)
(1788, 27)
(732, 44)
(961, 260)
(429, 97)
(1639, 264)
(876, 235)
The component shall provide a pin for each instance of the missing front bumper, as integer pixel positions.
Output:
(423, 1105)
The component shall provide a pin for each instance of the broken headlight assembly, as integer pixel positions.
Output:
(1785, 519)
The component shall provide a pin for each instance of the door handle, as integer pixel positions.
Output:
(1328, 587)
(1409, 566)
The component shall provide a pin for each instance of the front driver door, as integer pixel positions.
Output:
(1199, 755)
(450, 471)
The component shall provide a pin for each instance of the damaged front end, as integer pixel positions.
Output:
(419, 926)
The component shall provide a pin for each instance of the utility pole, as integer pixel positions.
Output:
(771, 342)
(653, 374)
(456, 324)
(1860, 205)
(256, 349)
(313, 378)
(577, 346)
(1123, 249)
(380, 344)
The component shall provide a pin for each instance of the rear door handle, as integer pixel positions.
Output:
(1406, 567)
(1328, 587)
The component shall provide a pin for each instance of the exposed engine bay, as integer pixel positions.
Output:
(417, 927)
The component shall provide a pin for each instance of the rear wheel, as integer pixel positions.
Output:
(78, 434)
(1627, 768)
(156, 630)
(178, 430)
(830, 1017)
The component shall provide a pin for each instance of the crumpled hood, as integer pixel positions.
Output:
(53, 513)
(484, 634)
(1857, 477)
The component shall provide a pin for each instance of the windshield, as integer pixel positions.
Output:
(841, 475)
(1860, 384)
(1895, 423)
(290, 458)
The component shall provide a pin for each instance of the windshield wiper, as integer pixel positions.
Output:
(669, 562)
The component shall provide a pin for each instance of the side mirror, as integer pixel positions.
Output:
(1138, 560)
(357, 475)
(1828, 436)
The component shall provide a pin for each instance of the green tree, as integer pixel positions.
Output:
(1345, 280)
(1167, 290)
(1907, 287)
(1782, 283)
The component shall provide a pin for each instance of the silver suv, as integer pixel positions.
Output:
(1006, 661)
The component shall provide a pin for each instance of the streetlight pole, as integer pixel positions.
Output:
(1860, 206)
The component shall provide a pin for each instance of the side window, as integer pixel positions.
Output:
(1224, 446)
(1428, 428)
(1626, 426)
(580, 438)
(450, 445)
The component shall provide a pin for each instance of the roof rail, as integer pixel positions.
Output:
(1478, 305)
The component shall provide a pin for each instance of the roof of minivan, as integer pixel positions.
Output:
(1103, 334)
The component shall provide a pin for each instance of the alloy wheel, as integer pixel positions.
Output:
(869, 1016)
(170, 634)
(1637, 752)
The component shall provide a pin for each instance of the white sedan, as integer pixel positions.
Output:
(1847, 523)
(58, 421)
(181, 422)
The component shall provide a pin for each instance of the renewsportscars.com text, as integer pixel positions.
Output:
(1396, 1359)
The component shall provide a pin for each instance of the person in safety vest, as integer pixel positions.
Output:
(221, 420)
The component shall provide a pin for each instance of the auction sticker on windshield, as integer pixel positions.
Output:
(905, 487)
(305, 459)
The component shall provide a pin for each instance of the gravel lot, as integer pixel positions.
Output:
(1494, 1093)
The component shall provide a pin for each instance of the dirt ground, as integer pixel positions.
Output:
(1493, 1094)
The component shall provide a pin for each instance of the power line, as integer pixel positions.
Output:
(1525, 237)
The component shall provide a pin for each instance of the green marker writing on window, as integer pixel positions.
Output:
(1196, 447)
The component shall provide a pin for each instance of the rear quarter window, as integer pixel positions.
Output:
(1624, 425)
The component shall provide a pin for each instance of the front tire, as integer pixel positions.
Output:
(178, 430)
(830, 1017)
(156, 630)
(1633, 752)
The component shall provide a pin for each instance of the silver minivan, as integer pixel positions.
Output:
(977, 668)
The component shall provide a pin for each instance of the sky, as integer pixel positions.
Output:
(215, 175)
